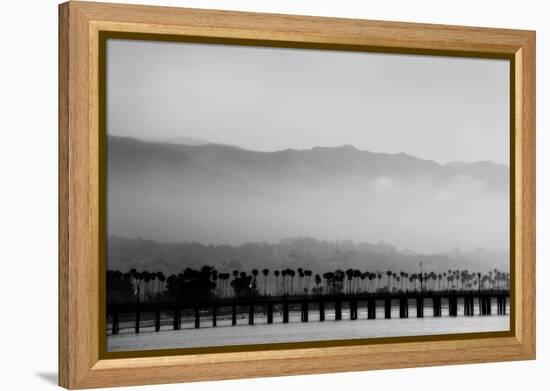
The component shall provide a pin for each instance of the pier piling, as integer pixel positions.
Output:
(270, 313)
(469, 306)
(321, 311)
(305, 312)
(197, 318)
(251, 314)
(337, 310)
(353, 309)
(214, 315)
(501, 305)
(177, 319)
(115, 327)
(285, 311)
(485, 305)
(419, 307)
(387, 308)
(371, 308)
(437, 306)
(403, 307)
(453, 306)
(136, 329)
(157, 321)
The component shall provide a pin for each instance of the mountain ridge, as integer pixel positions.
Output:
(316, 161)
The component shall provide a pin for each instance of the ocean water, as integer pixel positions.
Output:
(296, 331)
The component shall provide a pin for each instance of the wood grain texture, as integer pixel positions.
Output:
(79, 166)
(63, 336)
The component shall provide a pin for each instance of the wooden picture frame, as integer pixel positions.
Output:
(81, 363)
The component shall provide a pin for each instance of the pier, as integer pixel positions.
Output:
(480, 299)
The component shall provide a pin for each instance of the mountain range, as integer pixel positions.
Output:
(220, 194)
(126, 154)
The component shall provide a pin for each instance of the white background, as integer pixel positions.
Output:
(28, 198)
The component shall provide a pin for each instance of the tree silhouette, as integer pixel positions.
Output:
(349, 275)
(243, 286)
(318, 281)
(254, 274)
(300, 277)
(389, 273)
(276, 281)
(120, 288)
(265, 272)
(207, 282)
(291, 273)
(308, 274)
(191, 284)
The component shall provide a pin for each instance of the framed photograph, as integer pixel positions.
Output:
(297, 194)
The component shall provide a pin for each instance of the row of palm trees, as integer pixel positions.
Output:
(147, 284)
(150, 285)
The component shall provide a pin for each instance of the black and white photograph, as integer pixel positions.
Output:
(262, 195)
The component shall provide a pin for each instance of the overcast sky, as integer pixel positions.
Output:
(267, 99)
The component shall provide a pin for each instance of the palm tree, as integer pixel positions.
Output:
(349, 275)
(317, 281)
(265, 272)
(226, 287)
(255, 274)
(147, 279)
(214, 275)
(291, 273)
(220, 286)
(338, 280)
(326, 277)
(308, 274)
(160, 279)
(284, 273)
(227, 277)
(134, 274)
(363, 277)
(300, 276)
(478, 280)
(221, 289)
(389, 273)
(276, 281)
(372, 282)
(356, 276)
(153, 277)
